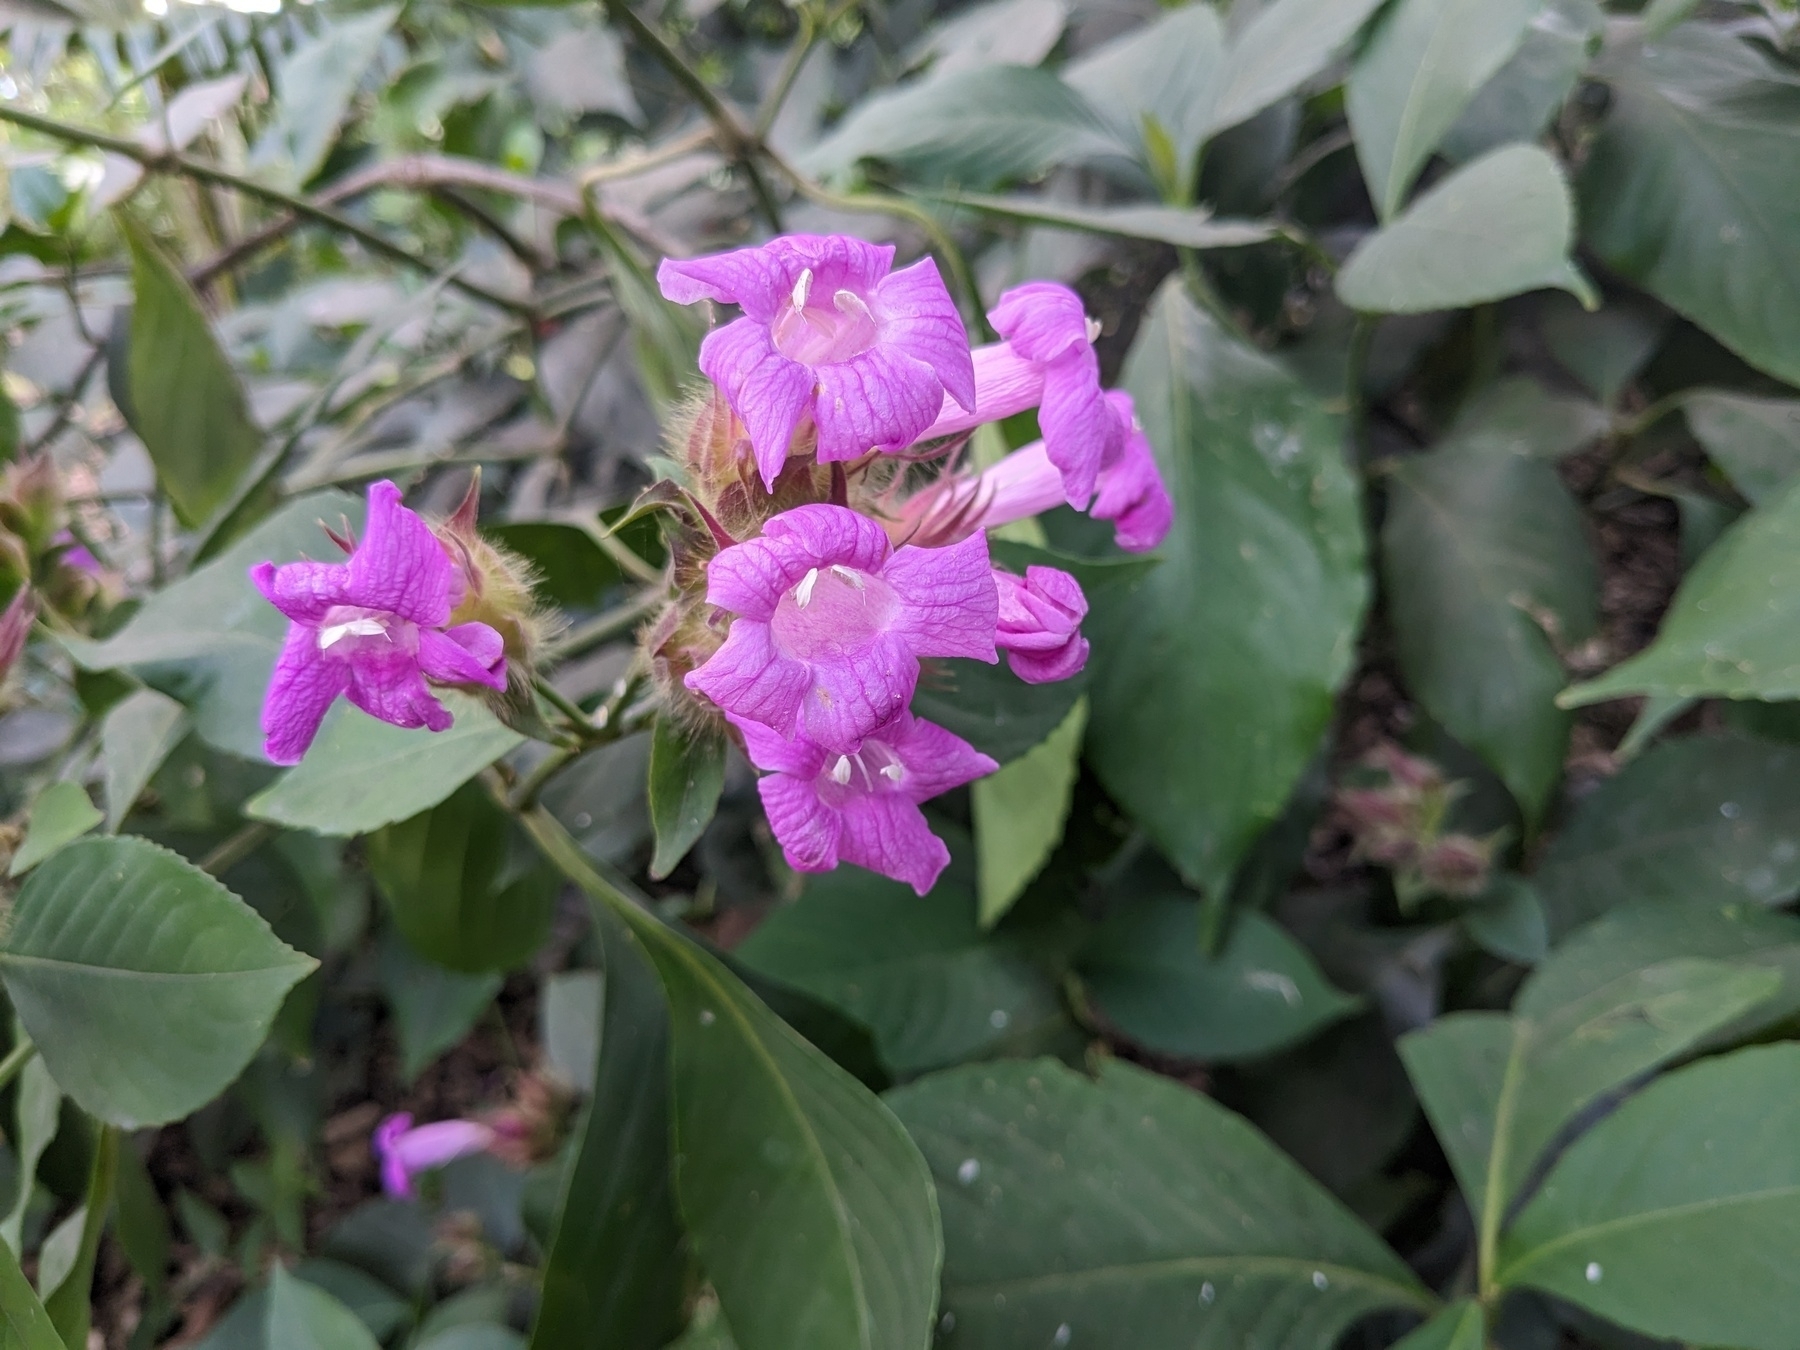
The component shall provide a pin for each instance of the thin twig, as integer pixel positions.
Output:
(237, 846)
(604, 628)
(16, 1059)
(66, 412)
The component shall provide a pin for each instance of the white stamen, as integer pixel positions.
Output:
(849, 574)
(840, 772)
(803, 592)
(1093, 330)
(849, 302)
(892, 772)
(355, 628)
(802, 288)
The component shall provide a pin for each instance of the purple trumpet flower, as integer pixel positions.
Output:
(1040, 624)
(405, 1150)
(372, 628)
(1046, 362)
(1132, 494)
(828, 329)
(862, 805)
(832, 620)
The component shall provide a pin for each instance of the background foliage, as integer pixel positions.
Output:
(1386, 938)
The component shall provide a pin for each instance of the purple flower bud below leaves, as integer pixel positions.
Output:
(405, 1150)
(1040, 624)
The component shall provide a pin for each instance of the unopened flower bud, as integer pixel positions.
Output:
(1457, 865)
(1040, 624)
(497, 586)
(15, 628)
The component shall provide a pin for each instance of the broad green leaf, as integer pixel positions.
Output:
(1261, 993)
(1733, 629)
(1019, 814)
(142, 1223)
(1756, 441)
(1160, 80)
(1182, 226)
(1499, 1089)
(993, 709)
(135, 738)
(1522, 415)
(1707, 819)
(1482, 550)
(146, 985)
(1689, 190)
(976, 129)
(1003, 32)
(1662, 15)
(362, 774)
(1461, 1326)
(1212, 682)
(1281, 48)
(1675, 1215)
(1420, 69)
(302, 1316)
(808, 1207)
(573, 571)
(918, 972)
(39, 1113)
(62, 812)
(211, 639)
(570, 1014)
(186, 403)
(464, 885)
(1135, 1213)
(1522, 97)
(1495, 227)
(24, 1325)
(313, 91)
(434, 1007)
(687, 773)
(613, 1277)
(1509, 921)
(380, 1307)
(1603, 348)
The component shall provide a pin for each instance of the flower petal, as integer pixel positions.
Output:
(1131, 492)
(747, 676)
(427, 1146)
(799, 756)
(936, 760)
(301, 689)
(887, 833)
(807, 829)
(303, 590)
(880, 400)
(470, 653)
(918, 317)
(1062, 662)
(755, 279)
(768, 392)
(821, 535)
(835, 260)
(750, 578)
(399, 566)
(950, 605)
(1081, 430)
(389, 686)
(1042, 320)
(854, 694)
(1005, 383)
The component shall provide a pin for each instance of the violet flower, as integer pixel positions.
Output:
(405, 1150)
(1046, 362)
(1040, 624)
(829, 330)
(372, 628)
(862, 806)
(832, 620)
(1132, 494)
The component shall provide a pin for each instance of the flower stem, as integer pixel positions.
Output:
(604, 628)
(16, 1059)
(236, 847)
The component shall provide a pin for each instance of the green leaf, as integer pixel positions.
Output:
(613, 1279)
(362, 774)
(1755, 440)
(1019, 814)
(315, 85)
(434, 1007)
(1499, 1089)
(24, 1325)
(62, 812)
(1135, 1213)
(146, 985)
(1708, 819)
(135, 739)
(1662, 15)
(976, 129)
(808, 1207)
(1493, 228)
(918, 972)
(1261, 993)
(1283, 46)
(569, 1021)
(687, 773)
(1482, 549)
(993, 709)
(1184, 227)
(573, 571)
(68, 1294)
(302, 1316)
(1689, 190)
(1461, 1326)
(1164, 75)
(463, 884)
(143, 1224)
(1531, 88)
(1509, 921)
(1212, 682)
(186, 403)
(1675, 1215)
(1421, 68)
(1603, 348)
(211, 639)
(39, 1114)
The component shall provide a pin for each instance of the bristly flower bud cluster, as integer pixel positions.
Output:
(1399, 824)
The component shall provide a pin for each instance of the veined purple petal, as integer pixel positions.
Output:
(1040, 624)
(919, 318)
(837, 261)
(1044, 321)
(749, 677)
(303, 591)
(1131, 492)
(888, 834)
(1081, 431)
(948, 599)
(301, 691)
(770, 393)
(1005, 384)
(879, 400)
(824, 536)
(798, 756)
(388, 685)
(807, 830)
(399, 565)
(936, 760)
(862, 688)
(754, 279)
(470, 653)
